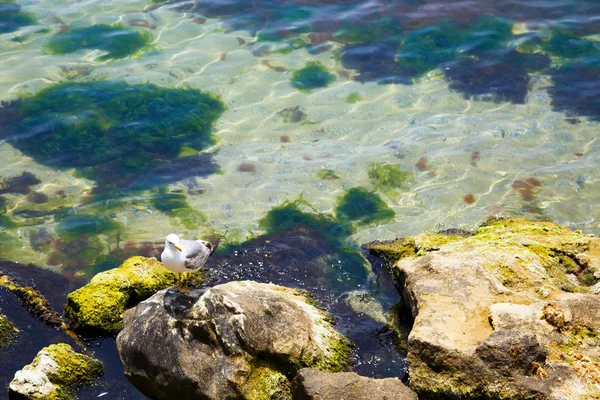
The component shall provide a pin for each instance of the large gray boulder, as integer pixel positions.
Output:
(507, 313)
(312, 384)
(236, 340)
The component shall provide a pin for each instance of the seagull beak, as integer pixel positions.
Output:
(178, 248)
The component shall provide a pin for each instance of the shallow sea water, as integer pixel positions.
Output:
(489, 106)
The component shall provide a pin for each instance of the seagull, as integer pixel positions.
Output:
(182, 255)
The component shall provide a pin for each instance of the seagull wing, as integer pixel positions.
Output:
(196, 253)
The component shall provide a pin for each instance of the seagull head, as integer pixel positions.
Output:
(172, 242)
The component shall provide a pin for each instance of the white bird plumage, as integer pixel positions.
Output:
(182, 255)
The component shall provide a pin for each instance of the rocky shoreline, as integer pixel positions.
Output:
(510, 311)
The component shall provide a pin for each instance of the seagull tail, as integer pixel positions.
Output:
(215, 244)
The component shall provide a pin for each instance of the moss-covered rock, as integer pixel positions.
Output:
(266, 383)
(495, 316)
(55, 370)
(98, 307)
(33, 300)
(8, 331)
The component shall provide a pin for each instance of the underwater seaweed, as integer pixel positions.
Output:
(291, 213)
(576, 89)
(12, 18)
(118, 42)
(176, 206)
(113, 128)
(364, 207)
(313, 75)
(389, 176)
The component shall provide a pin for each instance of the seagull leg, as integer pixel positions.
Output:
(185, 288)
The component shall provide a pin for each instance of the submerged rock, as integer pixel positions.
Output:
(55, 370)
(312, 384)
(98, 307)
(236, 340)
(8, 331)
(19, 184)
(495, 313)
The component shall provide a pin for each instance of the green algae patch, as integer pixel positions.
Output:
(12, 18)
(364, 207)
(98, 307)
(386, 176)
(354, 97)
(55, 370)
(8, 332)
(31, 209)
(488, 33)
(116, 41)
(73, 227)
(292, 213)
(111, 131)
(358, 32)
(176, 206)
(425, 49)
(327, 174)
(343, 258)
(314, 75)
(567, 45)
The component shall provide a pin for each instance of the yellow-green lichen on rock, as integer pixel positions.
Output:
(54, 371)
(8, 331)
(33, 300)
(98, 307)
(508, 312)
(266, 383)
(528, 251)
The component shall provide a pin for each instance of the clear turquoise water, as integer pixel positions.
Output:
(387, 118)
